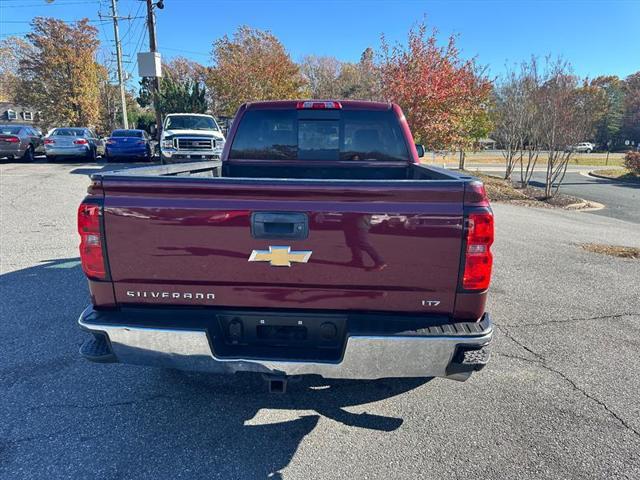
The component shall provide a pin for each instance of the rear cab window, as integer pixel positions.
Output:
(68, 132)
(128, 133)
(317, 135)
(9, 130)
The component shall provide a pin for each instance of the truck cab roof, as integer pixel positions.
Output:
(292, 104)
(189, 115)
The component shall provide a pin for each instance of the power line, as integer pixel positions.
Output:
(186, 51)
(131, 24)
(56, 4)
(134, 45)
(93, 20)
(143, 35)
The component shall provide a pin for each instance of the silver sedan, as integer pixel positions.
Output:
(73, 142)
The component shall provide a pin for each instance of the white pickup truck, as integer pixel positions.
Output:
(189, 137)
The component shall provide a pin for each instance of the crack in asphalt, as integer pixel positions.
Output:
(568, 320)
(542, 362)
(35, 438)
(520, 344)
(123, 403)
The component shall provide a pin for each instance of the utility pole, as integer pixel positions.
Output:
(116, 34)
(153, 47)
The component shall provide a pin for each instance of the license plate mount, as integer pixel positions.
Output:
(254, 333)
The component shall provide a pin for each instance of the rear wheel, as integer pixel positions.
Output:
(28, 154)
(51, 158)
(588, 150)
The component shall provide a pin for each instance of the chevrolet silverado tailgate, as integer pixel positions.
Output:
(268, 243)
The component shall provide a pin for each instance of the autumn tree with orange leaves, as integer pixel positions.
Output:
(443, 96)
(252, 65)
(59, 75)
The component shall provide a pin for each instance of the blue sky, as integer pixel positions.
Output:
(597, 37)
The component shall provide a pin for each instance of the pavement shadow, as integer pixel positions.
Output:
(140, 422)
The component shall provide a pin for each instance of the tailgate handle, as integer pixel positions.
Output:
(292, 226)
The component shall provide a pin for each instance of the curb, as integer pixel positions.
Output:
(621, 180)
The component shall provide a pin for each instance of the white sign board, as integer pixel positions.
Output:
(149, 64)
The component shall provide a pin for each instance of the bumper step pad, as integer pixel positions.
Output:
(97, 349)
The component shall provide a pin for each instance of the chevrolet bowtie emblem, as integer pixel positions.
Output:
(280, 256)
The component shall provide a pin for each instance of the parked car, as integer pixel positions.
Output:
(128, 144)
(190, 136)
(73, 142)
(19, 142)
(584, 147)
(226, 268)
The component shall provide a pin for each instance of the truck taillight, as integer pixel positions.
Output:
(478, 258)
(475, 195)
(89, 229)
(319, 105)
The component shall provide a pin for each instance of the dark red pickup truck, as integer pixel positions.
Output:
(317, 245)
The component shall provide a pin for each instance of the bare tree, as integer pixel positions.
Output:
(564, 119)
(322, 75)
(515, 119)
(328, 77)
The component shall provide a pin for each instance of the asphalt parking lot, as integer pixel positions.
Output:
(558, 400)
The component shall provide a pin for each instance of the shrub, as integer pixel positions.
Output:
(632, 162)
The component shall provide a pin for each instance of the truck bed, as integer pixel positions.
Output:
(386, 238)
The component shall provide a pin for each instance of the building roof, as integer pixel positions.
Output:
(4, 106)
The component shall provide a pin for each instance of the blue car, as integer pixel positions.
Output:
(128, 145)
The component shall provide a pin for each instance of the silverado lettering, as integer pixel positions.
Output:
(183, 295)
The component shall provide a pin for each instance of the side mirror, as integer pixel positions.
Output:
(420, 149)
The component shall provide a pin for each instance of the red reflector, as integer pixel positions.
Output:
(319, 105)
(478, 257)
(80, 141)
(91, 241)
(49, 141)
(11, 139)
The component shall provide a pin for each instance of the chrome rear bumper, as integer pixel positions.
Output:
(365, 357)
